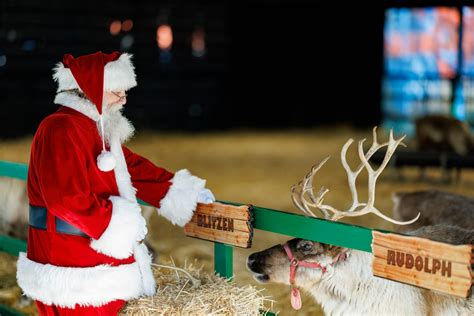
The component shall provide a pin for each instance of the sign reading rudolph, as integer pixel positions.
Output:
(423, 262)
(222, 223)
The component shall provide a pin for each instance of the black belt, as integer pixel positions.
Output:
(38, 216)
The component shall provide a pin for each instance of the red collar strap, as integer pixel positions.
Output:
(294, 263)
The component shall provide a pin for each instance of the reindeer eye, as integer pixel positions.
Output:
(305, 246)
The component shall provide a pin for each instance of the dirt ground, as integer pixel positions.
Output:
(257, 168)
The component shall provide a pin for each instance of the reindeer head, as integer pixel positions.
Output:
(273, 264)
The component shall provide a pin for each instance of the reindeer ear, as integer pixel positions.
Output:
(334, 250)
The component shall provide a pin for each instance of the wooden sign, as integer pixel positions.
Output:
(424, 263)
(222, 223)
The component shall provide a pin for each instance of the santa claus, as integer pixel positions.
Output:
(85, 255)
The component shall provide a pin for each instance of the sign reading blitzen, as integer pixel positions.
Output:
(223, 223)
(424, 263)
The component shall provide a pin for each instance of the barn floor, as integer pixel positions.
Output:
(251, 167)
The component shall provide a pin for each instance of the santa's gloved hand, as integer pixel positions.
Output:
(126, 227)
(206, 196)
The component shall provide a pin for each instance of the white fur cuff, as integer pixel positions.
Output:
(180, 202)
(126, 227)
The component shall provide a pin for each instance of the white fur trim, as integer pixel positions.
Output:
(128, 192)
(118, 75)
(66, 287)
(79, 104)
(126, 227)
(144, 259)
(180, 202)
(63, 76)
(122, 176)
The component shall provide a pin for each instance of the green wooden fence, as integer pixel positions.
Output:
(294, 225)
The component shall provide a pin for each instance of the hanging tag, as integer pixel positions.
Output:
(295, 299)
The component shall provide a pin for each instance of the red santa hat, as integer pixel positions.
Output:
(93, 74)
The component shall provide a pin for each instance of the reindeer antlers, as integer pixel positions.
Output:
(304, 189)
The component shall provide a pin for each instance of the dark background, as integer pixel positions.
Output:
(269, 64)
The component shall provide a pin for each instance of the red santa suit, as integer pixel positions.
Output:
(98, 263)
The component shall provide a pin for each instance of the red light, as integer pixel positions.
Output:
(127, 25)
(115, 27)
(198, 42)
(164, 37)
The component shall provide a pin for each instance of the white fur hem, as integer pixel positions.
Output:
(126, 227)
(66, 287)
(118, 75)
(180, 202)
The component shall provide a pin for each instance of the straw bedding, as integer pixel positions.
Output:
(208, 294)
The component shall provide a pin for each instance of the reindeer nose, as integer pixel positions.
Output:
(251, 259)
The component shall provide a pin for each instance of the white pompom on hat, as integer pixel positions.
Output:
(93, 74)
(106, 161)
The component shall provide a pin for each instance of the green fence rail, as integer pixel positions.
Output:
(11, 245)
(7, 311)
(13, 170)
(334, 233)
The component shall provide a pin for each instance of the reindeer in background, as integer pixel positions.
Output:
(445, 135)
(436, 207)
(341, 279)
(14, 210)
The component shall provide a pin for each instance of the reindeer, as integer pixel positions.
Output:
(341, 279)
(443, 134)
(436, 207)
(13, 208)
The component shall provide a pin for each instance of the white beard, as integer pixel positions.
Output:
(115, 124)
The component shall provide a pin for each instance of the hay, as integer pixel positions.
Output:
(7, 269)
(208, 294)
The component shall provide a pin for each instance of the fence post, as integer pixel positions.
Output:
(223, 260)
